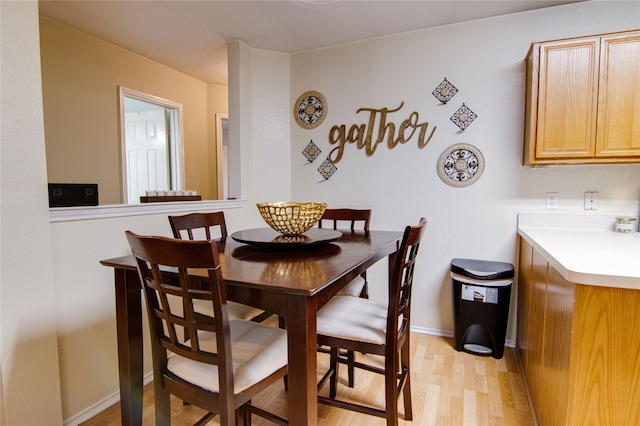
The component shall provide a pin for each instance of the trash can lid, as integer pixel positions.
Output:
(482, 269)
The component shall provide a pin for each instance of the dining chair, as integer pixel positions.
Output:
(358, 286)
(366, 326)
(225, 362)
(210, 225)
(207, 226)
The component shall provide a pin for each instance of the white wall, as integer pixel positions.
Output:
(485, 61)
(29, 358)
(259, 122)
(85, 305)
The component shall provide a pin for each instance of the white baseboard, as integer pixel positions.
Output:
(434, 332)
(431, 331)
(99, 406)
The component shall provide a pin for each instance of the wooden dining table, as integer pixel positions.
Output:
(292, 280)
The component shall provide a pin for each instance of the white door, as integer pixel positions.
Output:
(146, 153)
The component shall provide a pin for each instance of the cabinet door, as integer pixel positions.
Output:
(567, 99)
(619, 96)
(557, 349)
(524, 300)
(606, 340)
(536, 328)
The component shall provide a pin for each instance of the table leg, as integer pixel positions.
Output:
(303, 362)
(129, 331)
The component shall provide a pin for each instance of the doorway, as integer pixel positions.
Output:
(150, 130)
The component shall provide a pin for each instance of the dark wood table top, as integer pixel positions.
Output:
(298, 270)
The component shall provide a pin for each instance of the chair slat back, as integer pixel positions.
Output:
(166, 268)
(346, 215)
(401, 282)
(209, 225)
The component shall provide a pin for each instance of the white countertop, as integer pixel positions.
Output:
(585, 249)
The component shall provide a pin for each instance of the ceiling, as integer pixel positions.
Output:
(192, 36)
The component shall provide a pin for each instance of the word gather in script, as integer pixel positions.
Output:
(369, 135)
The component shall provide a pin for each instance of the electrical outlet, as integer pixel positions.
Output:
(552, 200)
(591, 200)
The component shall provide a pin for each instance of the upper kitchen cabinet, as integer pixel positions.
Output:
(583, 100)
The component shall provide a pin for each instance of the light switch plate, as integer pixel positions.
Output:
(552, 200)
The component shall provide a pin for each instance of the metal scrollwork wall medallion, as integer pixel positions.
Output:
(460, 165)
(463, 117)
(310, 109)
(327, 169)
(311, 151)
(445, 91)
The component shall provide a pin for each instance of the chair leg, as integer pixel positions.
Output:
(243, 416)
(333, 365)
(391, 390)
(285, 379)
(406, 395)
(406, 391)
(364, 294)
(262, 317)
(204, 420)
(162, 406)
(351, 357)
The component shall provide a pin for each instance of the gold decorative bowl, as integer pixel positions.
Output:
(290, 217)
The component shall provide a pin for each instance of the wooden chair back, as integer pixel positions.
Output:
(353, 333)
(207, 226)
(204, 222)
(175, 274)
(401, 285)
(352, 216)
(170, 321)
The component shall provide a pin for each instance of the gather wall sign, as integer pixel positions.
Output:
(376, 129)
(383, 126)
(310, 110)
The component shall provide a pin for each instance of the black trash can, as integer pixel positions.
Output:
(481, 293)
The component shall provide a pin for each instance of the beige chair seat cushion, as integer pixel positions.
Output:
(353, 318)
(258, 350)
(235, 310)
(354, 288)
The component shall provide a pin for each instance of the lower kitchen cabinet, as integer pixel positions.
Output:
(579, 346)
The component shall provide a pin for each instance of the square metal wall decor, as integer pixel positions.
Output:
(327, 169)
(311, 151)
(463, 117)
(445, 91)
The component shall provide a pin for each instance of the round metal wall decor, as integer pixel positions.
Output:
(310, 109)
(460, 165)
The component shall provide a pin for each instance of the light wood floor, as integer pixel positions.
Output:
(448, 387)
